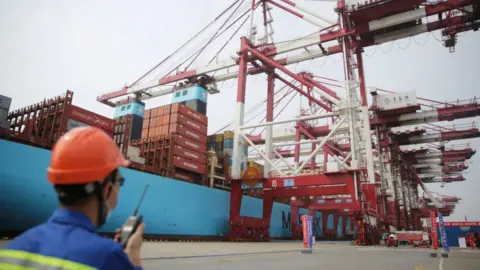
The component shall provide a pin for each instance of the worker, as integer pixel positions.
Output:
(391, 240)
(84, 171)
(472, 241)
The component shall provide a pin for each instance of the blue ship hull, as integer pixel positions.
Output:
(170, 207)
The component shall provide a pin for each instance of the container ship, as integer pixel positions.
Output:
(376, 162)
(169, 150)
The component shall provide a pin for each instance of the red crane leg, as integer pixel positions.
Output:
(296, 228)
(361, 239)
(235, 205)
(263, 233)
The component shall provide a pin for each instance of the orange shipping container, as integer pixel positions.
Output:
(158, 131)
(146, 123)
(153, 113)
(166, 109)
(159, 111)
(174, 108)
(159, 120)
(165, 120)
(146, 115)
(153, 122)
(165, 129)
(144, 133)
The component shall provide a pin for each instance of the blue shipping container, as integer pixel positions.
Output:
(227, 143)
(243, 165)
(134, 108)
(191, 93)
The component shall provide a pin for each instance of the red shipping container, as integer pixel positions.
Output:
(192, 114)
(189, 154)
(185, 131)
(190, 144)
(189, 165)
(185, 121)
(91, 118)
(183, 175)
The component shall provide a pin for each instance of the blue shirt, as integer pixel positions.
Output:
(68, 240)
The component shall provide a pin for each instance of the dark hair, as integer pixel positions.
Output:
(70, 195)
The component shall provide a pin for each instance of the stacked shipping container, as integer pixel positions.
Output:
(222, 144)
(174, 141)
(128, 125)
(43, 123)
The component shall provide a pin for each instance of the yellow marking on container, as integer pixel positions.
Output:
(419, 267)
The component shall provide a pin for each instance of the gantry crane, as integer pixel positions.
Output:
(354, 173)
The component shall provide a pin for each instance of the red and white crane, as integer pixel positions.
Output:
(362, 160)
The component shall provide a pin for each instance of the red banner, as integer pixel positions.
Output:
(305, 231)
(433, 219)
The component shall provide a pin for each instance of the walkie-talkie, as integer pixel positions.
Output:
(129, 228)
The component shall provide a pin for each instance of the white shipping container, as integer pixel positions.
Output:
(396, 101)
(5, 102)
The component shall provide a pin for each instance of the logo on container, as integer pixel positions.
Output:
(194, 115)
(192, 144)
(193, 124)
(92, 118)
(193, 166)
(192, 134)
(182, 176)
(189, 154)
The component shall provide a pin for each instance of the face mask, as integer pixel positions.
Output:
(106, 211)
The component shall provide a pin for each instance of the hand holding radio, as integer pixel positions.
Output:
(130, 236)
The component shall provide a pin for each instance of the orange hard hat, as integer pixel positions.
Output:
(84, 155)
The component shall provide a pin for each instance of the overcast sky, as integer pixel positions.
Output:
(93, 47)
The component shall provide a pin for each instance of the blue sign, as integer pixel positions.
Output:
(190, 93)
(443, 233)
(310, 231)
(134, 108)
(288, 183)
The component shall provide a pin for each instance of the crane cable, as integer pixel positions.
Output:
(281, 110)
(216, 33)
(185, 44)
(252, 109)
(215, 37)
(231, 37)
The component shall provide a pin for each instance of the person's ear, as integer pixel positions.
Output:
(107, 189)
